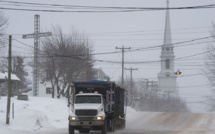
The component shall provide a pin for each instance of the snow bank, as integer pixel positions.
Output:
(36, 114)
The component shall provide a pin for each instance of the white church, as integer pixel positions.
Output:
(166, 77)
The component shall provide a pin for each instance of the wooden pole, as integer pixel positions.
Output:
(9, 81)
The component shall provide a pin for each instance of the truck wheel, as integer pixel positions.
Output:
(112, 129)
(123, 123)
(104, 128)
(71, 130)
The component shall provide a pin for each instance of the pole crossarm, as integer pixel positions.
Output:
(131, 69)
(27, 36)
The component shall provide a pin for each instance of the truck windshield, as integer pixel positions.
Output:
(88, 99)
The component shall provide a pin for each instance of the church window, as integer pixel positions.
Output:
(167, 63)
(167, 49)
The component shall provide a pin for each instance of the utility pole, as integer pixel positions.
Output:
(123, 50)
(131, 85)
(9, 81)
(36, 35)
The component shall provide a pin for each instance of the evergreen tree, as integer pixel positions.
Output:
(18, 68)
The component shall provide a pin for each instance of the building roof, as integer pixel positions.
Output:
(4, 76)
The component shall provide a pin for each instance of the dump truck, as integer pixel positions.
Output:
(96, 105)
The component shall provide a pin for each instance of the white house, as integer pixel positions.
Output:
(45, 89)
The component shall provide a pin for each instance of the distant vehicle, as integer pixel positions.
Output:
(98, 105)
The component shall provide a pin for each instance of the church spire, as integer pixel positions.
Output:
(167, 77)
(167, 32)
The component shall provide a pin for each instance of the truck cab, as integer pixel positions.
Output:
(88, 113)
(96, 105)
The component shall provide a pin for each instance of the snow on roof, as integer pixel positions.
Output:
(4, 76)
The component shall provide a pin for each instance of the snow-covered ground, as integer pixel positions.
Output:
(36, 114)
(46, 115)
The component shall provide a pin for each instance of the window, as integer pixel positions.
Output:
(88, 99)
(49, 90)
(167, 49)
(167, 63)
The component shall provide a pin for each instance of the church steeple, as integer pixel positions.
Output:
(166, 77)
(167, 32)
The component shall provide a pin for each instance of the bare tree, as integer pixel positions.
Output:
(65, 58)
(209, 69)
(3, 26)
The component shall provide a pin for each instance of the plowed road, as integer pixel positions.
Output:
(158, 123)
(170, 123)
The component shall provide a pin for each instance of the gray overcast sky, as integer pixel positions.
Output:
(131, 29)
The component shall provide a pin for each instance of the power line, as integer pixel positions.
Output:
(140, 34)
(24, 43)
(136, 66)
(117, 62)
(177, 43)
(182, 42)
(139, 62)
(63, 11)
(99, 9)
(139, 49)
(181, 29)
(111, 75)
(139, 31)
(147, 48)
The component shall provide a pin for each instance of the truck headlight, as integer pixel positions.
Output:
(99, 118)
(72, 118)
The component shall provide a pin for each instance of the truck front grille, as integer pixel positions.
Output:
(86, 118)
(85, 112)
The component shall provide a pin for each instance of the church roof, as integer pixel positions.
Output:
(167, 32)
